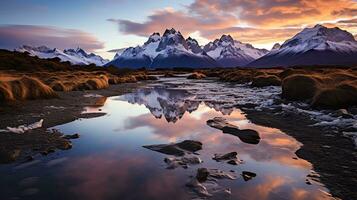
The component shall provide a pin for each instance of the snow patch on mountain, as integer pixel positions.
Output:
(74, 56)
(319, 38)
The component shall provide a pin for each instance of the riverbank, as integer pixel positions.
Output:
(68, 107)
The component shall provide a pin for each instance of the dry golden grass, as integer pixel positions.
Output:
(266, 80)
(196, 75)
(24, 88)
(332, 88)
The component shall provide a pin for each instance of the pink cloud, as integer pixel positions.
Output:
(12, 36)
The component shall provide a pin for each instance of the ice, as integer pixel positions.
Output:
(23, 128)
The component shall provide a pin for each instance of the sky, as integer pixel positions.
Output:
(99, 26)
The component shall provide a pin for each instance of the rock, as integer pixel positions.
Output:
(343, 113)
(245, 135)
(73, 136)
(204, 184)
(219, 123)
(173, 163)
(202, 174)
(248, 175)
(190, 145)
(233, 162)
(177, 149)
(64, 145)
(227, 156)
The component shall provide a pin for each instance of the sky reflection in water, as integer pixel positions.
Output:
(109, 162)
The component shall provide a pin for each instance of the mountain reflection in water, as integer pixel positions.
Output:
(108, 161)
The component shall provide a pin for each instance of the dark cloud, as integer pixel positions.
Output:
(12, 36)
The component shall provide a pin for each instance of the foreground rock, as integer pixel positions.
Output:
(205, 183)
(231, 158)
(248, 175)
(183, 162)
(177, 149)
(245, 135)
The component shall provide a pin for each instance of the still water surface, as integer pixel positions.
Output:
(109, 162)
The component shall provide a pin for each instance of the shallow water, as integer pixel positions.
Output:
(109, 162)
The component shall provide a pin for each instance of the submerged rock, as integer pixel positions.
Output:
(248, 175)
(245, 135)
(184, 162)
(204, 184)
(231, 158)
(177, 149)
(73, 136)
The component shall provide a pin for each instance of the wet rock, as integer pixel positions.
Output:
(227, 156)
(219, 123)
(73, 136)
(202, 174)
(233, 162)
(177, 149)
(245, 135)
(343, 113)
(204, 184)
(248, 175)
(231, 158)
(64, 145)
(184, 162)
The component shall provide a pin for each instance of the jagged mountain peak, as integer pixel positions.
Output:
(227, 38)
(171, 31)
(155, 37)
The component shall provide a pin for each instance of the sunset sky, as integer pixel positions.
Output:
(99, 26)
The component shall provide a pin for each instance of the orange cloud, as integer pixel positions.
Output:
(253, 21)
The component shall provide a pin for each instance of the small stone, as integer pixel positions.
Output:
(74, 136)
(248, 175)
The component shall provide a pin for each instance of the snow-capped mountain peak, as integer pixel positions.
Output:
(232, 53)
(320, 38)
(318, 45)
(74, 56)
(193, 45)
(169, 50)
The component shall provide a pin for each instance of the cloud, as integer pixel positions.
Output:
(12, 36)
(259, 21)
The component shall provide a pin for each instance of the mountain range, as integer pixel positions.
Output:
(318, 45)
(74, 56)
(173, 50)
